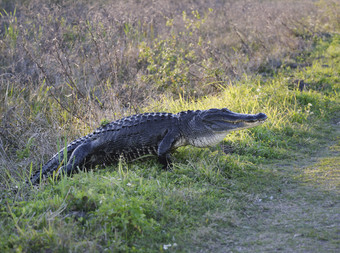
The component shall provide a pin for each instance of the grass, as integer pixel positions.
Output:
(269, 188)
(325, 171)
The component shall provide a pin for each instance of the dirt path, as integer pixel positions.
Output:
(299, 213)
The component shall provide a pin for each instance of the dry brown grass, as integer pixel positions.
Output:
(65, 65)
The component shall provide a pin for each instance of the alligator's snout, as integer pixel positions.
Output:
(261, 116)
(253, 118)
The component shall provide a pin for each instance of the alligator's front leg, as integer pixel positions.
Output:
(165, 147)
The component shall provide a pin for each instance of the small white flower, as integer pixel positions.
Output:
(309, 104)
(166, 246)
(128, 184)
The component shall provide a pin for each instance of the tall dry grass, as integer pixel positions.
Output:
(66, 65)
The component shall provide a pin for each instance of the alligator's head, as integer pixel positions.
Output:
(209, 127)
(224, 120)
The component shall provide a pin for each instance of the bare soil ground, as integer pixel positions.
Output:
(299, 212)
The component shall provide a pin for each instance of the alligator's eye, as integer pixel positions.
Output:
(225, 110)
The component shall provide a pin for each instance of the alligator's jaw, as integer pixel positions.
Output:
(248, 124)
(224, 120)
(213, 125)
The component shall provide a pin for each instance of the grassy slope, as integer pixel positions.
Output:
(265, 195)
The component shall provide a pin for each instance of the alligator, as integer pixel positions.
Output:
(146, 134)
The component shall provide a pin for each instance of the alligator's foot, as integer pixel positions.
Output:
(167, 167)
(165, 161)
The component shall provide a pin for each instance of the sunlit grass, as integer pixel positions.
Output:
(325, 173)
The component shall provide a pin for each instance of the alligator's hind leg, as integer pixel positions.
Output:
(77, 158)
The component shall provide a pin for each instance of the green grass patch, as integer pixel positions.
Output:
(325, 172)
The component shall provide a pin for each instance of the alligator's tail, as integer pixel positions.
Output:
(54, 164)
(59, 160)
(47, 169)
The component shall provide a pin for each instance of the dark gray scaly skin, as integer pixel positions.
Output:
(147, 134)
